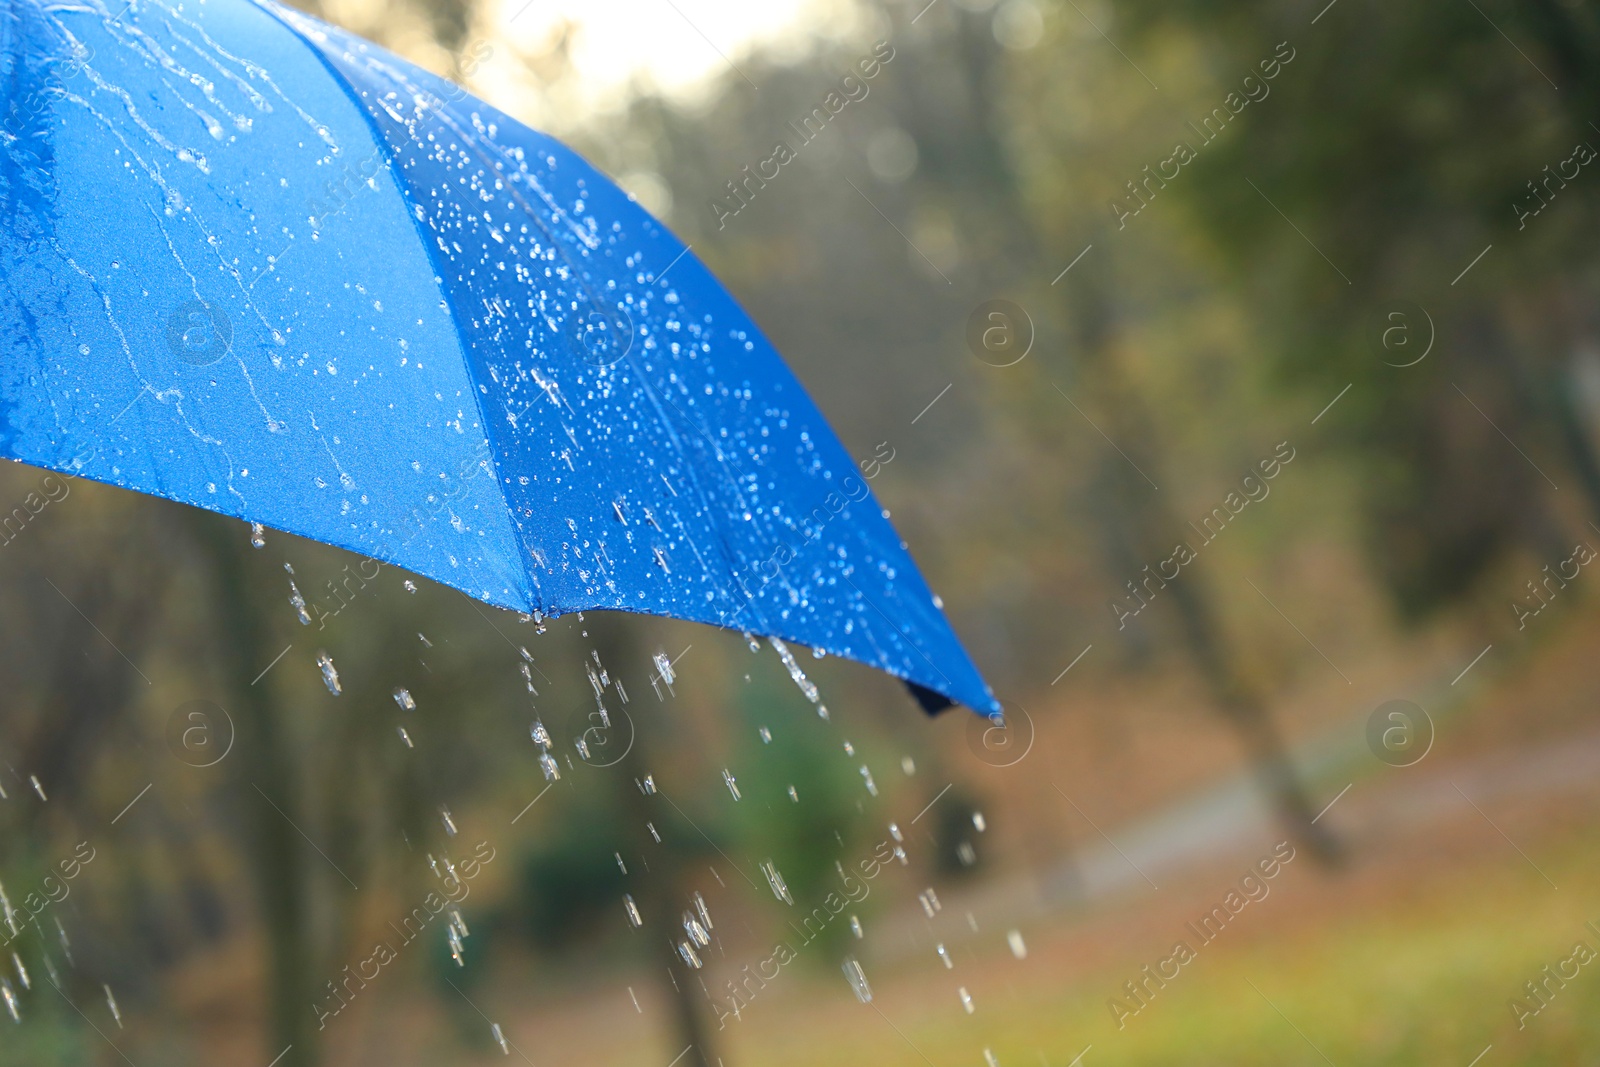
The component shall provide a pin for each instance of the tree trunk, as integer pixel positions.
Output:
(263, 773)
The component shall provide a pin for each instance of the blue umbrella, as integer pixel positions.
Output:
(260, 266)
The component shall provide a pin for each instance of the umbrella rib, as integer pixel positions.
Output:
(901, 632)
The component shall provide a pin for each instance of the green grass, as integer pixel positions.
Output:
(1420, 975)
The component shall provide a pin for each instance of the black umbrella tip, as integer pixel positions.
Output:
(931, 702)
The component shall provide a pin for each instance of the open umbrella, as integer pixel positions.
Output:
(254, 264)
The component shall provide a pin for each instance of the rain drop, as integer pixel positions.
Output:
(548, 765)
(1018, 949)
(540, 735)
(403, 697)
(11, 1000)
(634, 918)
(111, 1002)
(409, 586)
(908, 765)
(799, 676)
(299, 603)
(689, 955)
(330, 676)
(966, 999)
(499, 1038)
(664, 667)
(449, 823)
(401, 730)
(750, 639)
(858, 980)
(944, 955)
(766, 735)
(733, 787)
(33, 779)
(22, 972)
(258, 535)
(775, 880)
(793, 795)
(866, 778)
(652, 828)
(978, 821)
(855, 927)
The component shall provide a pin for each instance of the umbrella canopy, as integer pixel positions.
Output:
(257, 265)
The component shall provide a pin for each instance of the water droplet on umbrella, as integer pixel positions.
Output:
(330, 676)
(111, 1002)
(425, 642)
(37, 788)
(750, 639)
(11, 1000)
(689, 955)
(409, 586)
(22, 972)
(623, 867)
(944, 955)
(583, 748)
(858, 980)
(648, 786)
(664, 667)
(548, 765)
(966, 999)
(652, 828)
(703, 911)
(793, 795)
(866, 778)
(401, 730)
(696, 932)
(929, 901)
(855, 927)
(775, 880)
(402, 696)
(989, 1060)
(299, 603)
(799, 676)
(540, 735)
(894, 832)
(1018, 949)
(258, 535)
(733, 787)
(632, 909)
(499, 1038)
(766, 735)
(449, 823)
(978, 821)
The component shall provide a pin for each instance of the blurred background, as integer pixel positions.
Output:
(1220, 368)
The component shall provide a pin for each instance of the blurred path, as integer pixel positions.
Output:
(1230, 821)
